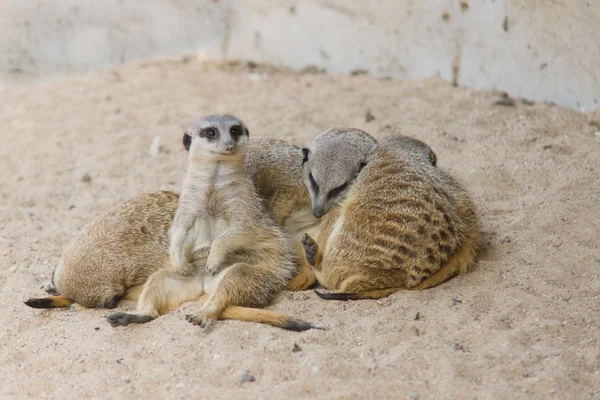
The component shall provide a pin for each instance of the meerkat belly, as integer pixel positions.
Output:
(206, 230)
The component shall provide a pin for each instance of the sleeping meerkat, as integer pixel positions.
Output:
(225, 250)
(113, 256)
(404, 224)
(89, 275)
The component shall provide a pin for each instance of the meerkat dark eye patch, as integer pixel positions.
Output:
(208, 133)
(361, 166)
(313, 183)
(187, 141)
(305, 154)
(236, 131)
(334, 192)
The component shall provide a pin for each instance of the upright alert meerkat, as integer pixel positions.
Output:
(404, 224)
(225, 250)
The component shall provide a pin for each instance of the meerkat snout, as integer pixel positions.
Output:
(216, 134)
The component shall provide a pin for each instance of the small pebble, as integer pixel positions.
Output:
(246, 377)
(296, 348)
(369, 116)
(97, 328)
(418, 316)
(415, 331)
(413, 395)
(86, 178)
(127, 379)
(154, 147)
(505, 101)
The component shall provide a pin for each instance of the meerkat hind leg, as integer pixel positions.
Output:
(124, 319)
(164, 291)
(233, 286)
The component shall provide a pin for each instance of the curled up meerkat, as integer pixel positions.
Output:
(403, 224)
(226, 252)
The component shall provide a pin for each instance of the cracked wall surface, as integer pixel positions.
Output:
(543, 50)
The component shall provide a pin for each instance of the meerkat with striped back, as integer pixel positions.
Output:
(403, 224)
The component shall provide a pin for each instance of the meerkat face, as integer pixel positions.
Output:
(331, 163)
(216, 134)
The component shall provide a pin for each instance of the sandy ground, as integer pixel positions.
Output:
(526, 324)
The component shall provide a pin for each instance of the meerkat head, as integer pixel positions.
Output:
(410, 148)
(332, 160)
(216, 134)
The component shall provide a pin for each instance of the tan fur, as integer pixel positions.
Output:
(405, 224)
(223, 242)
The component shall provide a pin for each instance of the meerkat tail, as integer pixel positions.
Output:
(49, 302)
(266, 317)
(370, 294)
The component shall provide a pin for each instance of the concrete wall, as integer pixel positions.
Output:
(544, 50)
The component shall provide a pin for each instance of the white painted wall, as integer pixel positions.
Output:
(548, 50)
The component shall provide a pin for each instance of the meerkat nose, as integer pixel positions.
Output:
(318, 211)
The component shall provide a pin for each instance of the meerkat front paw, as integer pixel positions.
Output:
(179, 262)
(214, 263)
(310, 249)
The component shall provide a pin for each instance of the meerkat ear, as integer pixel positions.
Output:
(361, 165)
(187, 141)
(432, 158)
(305, 153)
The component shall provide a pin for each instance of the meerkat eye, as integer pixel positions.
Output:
(235, 131)
(334, 192)
(208, 133)
(313, 183)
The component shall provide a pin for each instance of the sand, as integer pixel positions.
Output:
(525, 324)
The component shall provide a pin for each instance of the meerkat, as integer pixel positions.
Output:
(225, 250)
(404, 224)
(113, 256)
